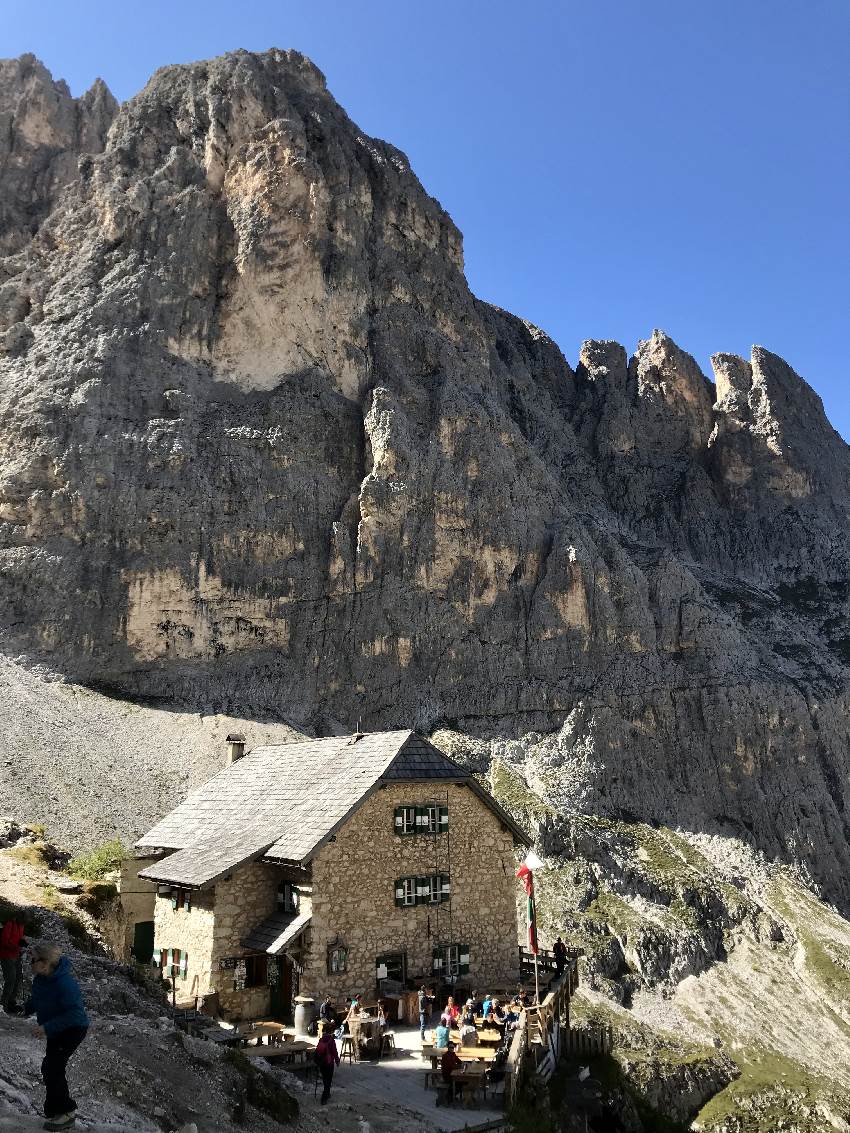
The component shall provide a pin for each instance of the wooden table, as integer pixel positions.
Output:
(287, 1052)
(469, 1054)
(485, 1035)
(274, 1032)
(472, 1079)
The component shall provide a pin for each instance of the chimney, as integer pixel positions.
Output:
(235, 747)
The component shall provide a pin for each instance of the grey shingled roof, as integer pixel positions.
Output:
(287, 800)
(274, 933)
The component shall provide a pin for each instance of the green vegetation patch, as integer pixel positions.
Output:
(94, 865)
(36, 854)
(770, 1089)
(509, 788)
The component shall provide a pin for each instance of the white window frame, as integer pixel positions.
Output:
(408, 820)
(409, 886)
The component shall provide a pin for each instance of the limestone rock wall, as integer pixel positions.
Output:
(262, 450)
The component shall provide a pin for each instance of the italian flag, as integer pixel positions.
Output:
(526, 875)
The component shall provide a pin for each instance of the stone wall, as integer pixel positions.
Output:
(244, 899)
(354, 893)
(137, 902)
(192, 931)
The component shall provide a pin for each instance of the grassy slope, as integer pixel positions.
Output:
(778, 1002)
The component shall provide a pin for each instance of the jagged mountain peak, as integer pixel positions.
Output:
(261, 446)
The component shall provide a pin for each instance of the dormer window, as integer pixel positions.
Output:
(287, 898)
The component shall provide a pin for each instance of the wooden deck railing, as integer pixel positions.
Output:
(543, 1031)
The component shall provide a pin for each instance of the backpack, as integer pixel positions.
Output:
(11, 935)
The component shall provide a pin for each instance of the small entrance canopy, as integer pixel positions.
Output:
(273, 934)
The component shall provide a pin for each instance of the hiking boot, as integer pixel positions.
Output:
(61, 1121)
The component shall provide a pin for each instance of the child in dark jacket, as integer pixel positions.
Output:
(327, 1059)
(57, 1002)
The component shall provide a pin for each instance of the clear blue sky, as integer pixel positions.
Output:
(614, 165)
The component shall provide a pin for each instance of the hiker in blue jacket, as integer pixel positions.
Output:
(57, 1002)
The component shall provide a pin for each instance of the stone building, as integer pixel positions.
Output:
(364, 863)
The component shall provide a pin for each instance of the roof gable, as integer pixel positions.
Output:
(284, 801)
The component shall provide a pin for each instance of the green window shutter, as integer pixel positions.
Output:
(444, 818)
(398, 820)
(421, 820)
(463, 960)
(174, 902)
(437, 961)
(184, 964)
(423, 890)
(156, 958)
(399, 891)
(188, 902)
(445, 887)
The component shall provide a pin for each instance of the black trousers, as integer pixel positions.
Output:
(327, 1078)
(60, 1047)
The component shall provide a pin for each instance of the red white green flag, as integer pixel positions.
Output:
(526, 876)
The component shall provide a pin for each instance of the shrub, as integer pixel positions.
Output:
(96, 896)
(93, 865)
(36, 854)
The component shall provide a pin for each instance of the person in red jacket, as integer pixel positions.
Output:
(327, 1059)
(12, 940)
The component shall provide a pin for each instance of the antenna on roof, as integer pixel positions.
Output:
(358, 734)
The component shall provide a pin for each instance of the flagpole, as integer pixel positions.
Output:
(536, 982)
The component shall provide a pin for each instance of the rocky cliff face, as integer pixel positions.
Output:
(262, 450)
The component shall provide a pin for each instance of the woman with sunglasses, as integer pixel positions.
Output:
(57, 1002)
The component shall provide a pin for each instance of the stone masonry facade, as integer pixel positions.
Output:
(354, 904)
(212, 930)
(354, 892)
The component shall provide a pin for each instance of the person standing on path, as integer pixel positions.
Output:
(560, 952)
(12, 940)
(327, 1059)
(424, 1011)
(57, 1002)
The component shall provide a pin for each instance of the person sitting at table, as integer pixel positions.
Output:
(499, 1012)
(486, 1005)
(441, 1035)
(477, 1005)
(452, 1010)
(327, 1011)
(467, 1016)
(448, 1064)
(468, 1034)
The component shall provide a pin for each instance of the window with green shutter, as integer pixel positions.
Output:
(406, 890)
(463, 960)
(445, 887)
(437, 961)
(450, 961)
(429, 818)
(404, 820)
